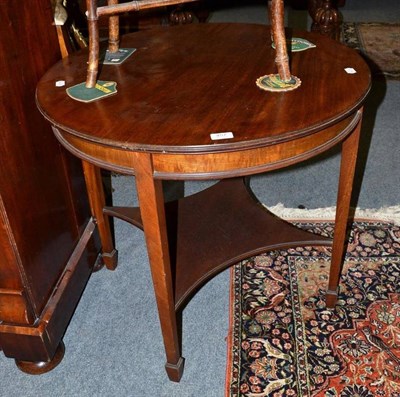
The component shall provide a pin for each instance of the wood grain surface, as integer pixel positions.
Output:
(185, 82)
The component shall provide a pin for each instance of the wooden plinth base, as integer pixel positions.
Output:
(41, 367)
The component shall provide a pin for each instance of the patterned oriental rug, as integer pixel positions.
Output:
(283, 340)
(379, 43)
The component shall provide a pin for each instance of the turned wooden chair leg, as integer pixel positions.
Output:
(346, 179)
(113, 41)
(113, 30)
(276, 12)
(326, 18)
(93, 28)
(94, 185)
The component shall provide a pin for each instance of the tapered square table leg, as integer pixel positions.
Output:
(346, 181)
(97, 202)
(152, 210)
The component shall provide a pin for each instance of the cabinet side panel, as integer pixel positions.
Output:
(9, 270)
(14, 305)
(38, 193)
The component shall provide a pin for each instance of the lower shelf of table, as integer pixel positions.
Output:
(216, 228)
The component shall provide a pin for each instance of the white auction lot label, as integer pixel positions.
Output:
(350, 70)
(221, 135)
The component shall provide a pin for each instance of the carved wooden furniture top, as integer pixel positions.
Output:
(184, 83)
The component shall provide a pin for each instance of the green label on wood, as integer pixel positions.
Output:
(116, 58)
(102, 89)
(296, 44)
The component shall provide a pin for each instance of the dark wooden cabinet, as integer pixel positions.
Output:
(48, 241)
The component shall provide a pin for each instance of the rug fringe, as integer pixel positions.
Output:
(389, 214)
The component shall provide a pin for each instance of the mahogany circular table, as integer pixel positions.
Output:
(182, 86)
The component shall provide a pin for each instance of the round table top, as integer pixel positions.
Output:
(187, 82)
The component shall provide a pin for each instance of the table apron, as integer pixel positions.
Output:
(217, 165)
(251, 161)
